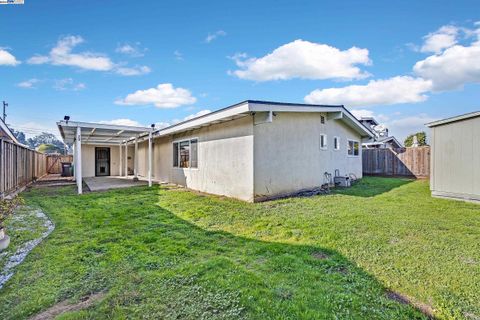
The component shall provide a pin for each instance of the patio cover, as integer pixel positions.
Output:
(79, 133)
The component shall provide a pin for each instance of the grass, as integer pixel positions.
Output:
(164, 253)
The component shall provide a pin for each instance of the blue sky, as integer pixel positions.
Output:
(143, 62)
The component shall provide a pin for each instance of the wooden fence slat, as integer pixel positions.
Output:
(19, 166)
(413, 162)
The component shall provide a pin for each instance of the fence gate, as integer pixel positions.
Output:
(54, 162)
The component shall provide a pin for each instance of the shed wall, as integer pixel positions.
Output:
(455, 167)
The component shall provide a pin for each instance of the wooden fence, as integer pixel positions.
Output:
(19, 166)
(54, 162)
(413, 162)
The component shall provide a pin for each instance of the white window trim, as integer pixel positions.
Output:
(338, 143)
(189, 145)
(359, 148)
(325, 139)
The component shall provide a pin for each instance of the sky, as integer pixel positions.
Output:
(142, 62)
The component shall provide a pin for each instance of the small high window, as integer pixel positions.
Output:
(185, 154)
(322, 119)
(353, 148)
(336, 143)
(323, 141)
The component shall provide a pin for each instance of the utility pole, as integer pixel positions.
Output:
(5, 105)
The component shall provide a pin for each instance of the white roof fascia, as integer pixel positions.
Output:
(209, 118)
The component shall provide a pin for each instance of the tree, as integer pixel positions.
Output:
(49, 148)
(20, 136)
(45, 138)
(421, 138)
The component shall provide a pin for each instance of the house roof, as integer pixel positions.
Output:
(9, 133)
(98, 133)
(454, 119)
(248, 107)
(372, 119)
(95, 133)
(383, 140)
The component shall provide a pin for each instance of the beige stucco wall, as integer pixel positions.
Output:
(246, 161)
(225, 159)
(288, 156)
(88, 160)
(455, 159)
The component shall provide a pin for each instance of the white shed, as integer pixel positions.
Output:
(455, 157)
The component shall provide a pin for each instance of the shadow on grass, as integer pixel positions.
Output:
(153, 264)
(373, 186)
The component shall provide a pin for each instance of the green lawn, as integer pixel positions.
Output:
(164, 253)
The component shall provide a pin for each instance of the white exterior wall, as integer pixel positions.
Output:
(88, 159)
(225, 160)
(455, 159)
(288, 156)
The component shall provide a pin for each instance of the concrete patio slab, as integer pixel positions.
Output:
(107, 183)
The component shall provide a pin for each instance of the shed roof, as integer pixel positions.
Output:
(454, 119)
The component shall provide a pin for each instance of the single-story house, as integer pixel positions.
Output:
(253, 150)
(455, 157)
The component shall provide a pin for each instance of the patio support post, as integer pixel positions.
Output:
(150, 159)
(126, 159)
(135, 159)
(120, 160)
(78, 159)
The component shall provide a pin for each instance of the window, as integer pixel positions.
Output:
(194, 153)
(185, 154)
(322, 119)
(323, 141)
(175, 154)
(336, 143)
(353, 148)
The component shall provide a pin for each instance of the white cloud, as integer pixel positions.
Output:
(303, 59)
(7, 59)
(178, 55)
(443, 38)
(38, 59)
(198, 114)
(68, 84)
(134, 50)
(402, 127)
(135, 71)
(215, 35)
(28, 84)
(400, 89)
(62, 55)
(122, 122)
(361, 113)
(453, 68)
(162, 96)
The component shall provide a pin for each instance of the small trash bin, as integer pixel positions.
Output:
(66, 169)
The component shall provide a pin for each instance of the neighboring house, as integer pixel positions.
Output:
(455, 157)
(252, 151)
(380, 139)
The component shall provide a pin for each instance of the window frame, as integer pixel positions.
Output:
(336, 146)
(353, 155)
(178, 142)
(325, 140)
